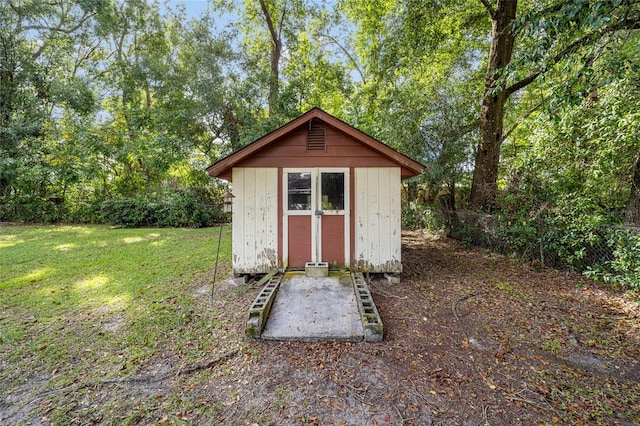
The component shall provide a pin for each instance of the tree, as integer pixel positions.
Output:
(419, 76)
(199, 100)
(632, 214)
(485, 174)
(276, 52)
(275, 40)
(269, 26)
(549, 34)
(40, 56)
(579, 146)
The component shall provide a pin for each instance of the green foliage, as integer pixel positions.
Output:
(83, 212)
(194, 208)
(624, 267)
(573, 236)
(552, 346)
(128, 212)
(30, 210)
(416, 215)
(568, 168)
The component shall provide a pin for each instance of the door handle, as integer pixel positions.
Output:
(319, 212)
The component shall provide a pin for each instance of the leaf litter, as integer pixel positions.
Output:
(471, 338)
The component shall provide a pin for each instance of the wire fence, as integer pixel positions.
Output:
(608, 252)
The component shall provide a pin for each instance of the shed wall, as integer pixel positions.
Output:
(377, 220)
(341, 151)
(255, 220)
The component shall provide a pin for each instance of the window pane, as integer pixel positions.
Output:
(332, 191)
(299, 191)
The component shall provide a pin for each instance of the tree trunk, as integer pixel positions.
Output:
(485, 174)
(7, 87)
(633, 207)
(232, 126)
(274, 81)
(276, 51)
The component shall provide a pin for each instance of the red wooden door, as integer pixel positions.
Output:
(332, 203)
(317, 218)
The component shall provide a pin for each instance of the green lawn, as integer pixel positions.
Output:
(92, 302)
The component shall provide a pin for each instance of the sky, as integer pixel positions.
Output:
(194, 8)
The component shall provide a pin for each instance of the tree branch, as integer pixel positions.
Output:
(524, 117)
(489, 8)
(58, 28)
(592, 58)
(625, 24)
(552, 9)
(267, 17)
(84, 55)
(282, 16)
(346, 52)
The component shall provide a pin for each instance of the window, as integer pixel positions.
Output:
(299, 191)
(332, 191)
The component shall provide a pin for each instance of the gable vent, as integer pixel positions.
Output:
(316, 136)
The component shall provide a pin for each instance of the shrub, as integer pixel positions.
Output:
(624, 268)
(418, 216)
(192, 207)
(84, 212)
(129, 212)
(31, 210)
(552, 237)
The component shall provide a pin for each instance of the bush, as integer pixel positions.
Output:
(192, 207)
(84, 212)
(624, 268)
(578, 241)
(130, 212)
(591, 243)
(31, 210)
(418, 216)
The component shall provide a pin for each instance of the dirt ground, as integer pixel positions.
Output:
(471, 338)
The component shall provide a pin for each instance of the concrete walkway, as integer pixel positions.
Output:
(314, 309)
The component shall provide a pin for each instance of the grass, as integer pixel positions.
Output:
(552, 346)
(86, 303)
(96, 302)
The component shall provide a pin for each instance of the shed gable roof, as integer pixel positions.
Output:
(222, 167)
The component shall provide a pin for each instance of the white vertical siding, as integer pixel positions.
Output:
(377, 219)
(255, 220)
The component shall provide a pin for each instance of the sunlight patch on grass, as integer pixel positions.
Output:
(92, 282)
(132, 240)
(142, 238)
(9, 241)
(117, 302)
(31, 277)
(65, 247)
(65, 229)
(46, 291)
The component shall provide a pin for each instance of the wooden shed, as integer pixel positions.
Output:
(316, 190)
